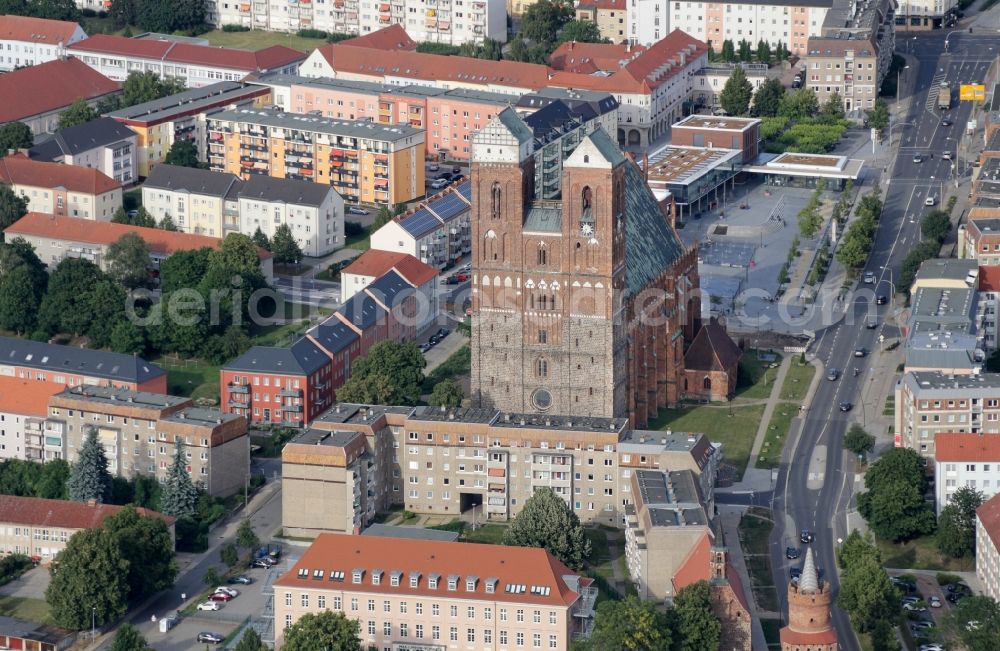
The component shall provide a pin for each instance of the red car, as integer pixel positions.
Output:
(221, 596)
(461, 277)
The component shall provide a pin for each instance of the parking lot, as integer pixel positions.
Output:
(926, 603)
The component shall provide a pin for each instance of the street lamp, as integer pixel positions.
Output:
(93, 623)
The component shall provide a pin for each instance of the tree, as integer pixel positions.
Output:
(229, 555)
(981, 636)
(696, 625)
(184, 269)
(128, 261)
(764, 51)
(141, 87)
(143, 218)
(123, 12)
(167, 223)
(19, 303)
(169, 17)
(326, 630)
(89, 579)
(260, 239)
(898, 464)
(128, 638)
(728, 51)
(246, 537)
(935, 226)
(746, 52)
(145, 542)
(800, 104)
(211, 577)
(79, 112)
(446, 393)
(865, 590)
(956, 533)
(855, 547)
(543, 20)
(630, 625)
(858, 441)
(833, 107)
(15, 135)
(581, 31)
(183, 153)
(55, 9)
(12, 206)
(51, 482)
(179, 497)
(767, 99)
(251, 642)
(547, 521)
(382, 217)
(878, 117)
(896, 511)
(89, 478)
(104, 302)
(284, 247)
(736, 94)
(391, 374)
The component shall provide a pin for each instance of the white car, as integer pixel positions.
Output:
(210, 605)
(935, 602)
(869, 278)
(232, 592)
(934, 646)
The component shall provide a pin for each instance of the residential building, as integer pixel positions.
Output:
(809, 601)
(710, 80)
(916, 15)
(931, 403)
(102, 144)
(56, 238)
(196, 65)
(362, 161)
(27, 41)
(609, 16)
(37, 95)
(21, 634)
(435, 231)
(62, 190)
(650, 84)
(161, 122)
(952, 353)
(988, 547)
(492, 596)
(73, 366)
(791, 23)
(982, 240)
(965, 460)
(138, 431)
(40, 528)
(217, 203)
(449, 117)
(23, 406)
(373, 264)
(446, 21)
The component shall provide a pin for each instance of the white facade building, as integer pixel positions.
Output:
(648, 21)
(102, 144)
(438, 21)
(26, 41)
(437, 232)
(988, 547)
(965, 459)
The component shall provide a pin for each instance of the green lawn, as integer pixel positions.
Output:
(755, 532)
(490, 534)
(191, 378)
(755, 380)
(360, 242)
(283, 334)
(777, 433)
(733, 426)
(797, 382)
(32, 610)
(258, 40)
(922, 554)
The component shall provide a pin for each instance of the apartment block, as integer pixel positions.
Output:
(27, 41)
(982, 240)
(138, 431)
(914, 15)
(161, 122)
(988, 547)
(435, 231)
(965, 460)
(710, 81)
(751, 20)
(362, 161)
(426, 593)
(610, 16)
(437, 21)
(218, 203)
(23, 406)
(62, 190)
(102, 144)
(196, 65)
(373, 264)
(40, 528)
(931, 403)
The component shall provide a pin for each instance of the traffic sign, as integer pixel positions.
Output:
(972, 92)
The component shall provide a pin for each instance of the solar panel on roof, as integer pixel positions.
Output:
(466, 191)
(419, 223)
(448, 206)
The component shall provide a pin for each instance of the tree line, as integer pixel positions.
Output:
(745, 51)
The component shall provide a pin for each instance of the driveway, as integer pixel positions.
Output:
(445, 349)
(31, 585)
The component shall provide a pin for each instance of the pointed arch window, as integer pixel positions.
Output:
(586, 211)
(495, 195)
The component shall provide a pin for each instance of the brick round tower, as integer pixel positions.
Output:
(809, 613)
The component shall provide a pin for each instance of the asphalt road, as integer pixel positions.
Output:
(814, 488)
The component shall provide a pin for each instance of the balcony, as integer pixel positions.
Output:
(296, 409)
(238, 388)
(290, 393)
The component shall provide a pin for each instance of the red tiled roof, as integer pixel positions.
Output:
(375, 263)
(49, 87)
(527, 566)
(696, 565)
(393, 37)
(18, 169)
(36, 30)
(796, 638)
(591, 57)
(610, 5)
(104, 233)
(989, 278)
(27, 397)
(989, 518)
(414, 271)
(62, 514)
(965, 446)
(712, 349)
(221, 57)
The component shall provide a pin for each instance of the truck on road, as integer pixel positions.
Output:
(944, 97)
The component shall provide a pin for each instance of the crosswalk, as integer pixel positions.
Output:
(932, 97)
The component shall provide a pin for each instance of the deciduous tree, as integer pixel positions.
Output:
(145, 542)
(141, 87)
(956, 532)
(581, 31)
(833, 107)
(251, 642)
(12, 206)
(246, 537)
(15, 135)
(800, 104)
(326, 630)
(547, 521)
(935, 226)
(767, 99)
(391, 374)
(896, 511)
(446, 393)
(179, 496)
(878, 117)
(736, 94)
(79, 112)
(183, 153)
(696, 625)
(89, 478)
(128, 638)
(284, 247)
(975, 622)
(128, 261)
(630, 625)
(867, 594)
(229, 555)
(89, 579)
(858, 441)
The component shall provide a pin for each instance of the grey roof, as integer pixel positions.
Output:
(333, 335)
(301, 358)
(671, 498)
(337, 439)
(389, 288)
(72, 359)
(114, 395)
(188, 102)
(651, 245)
(83, 137)
(201, 415)
(376, 88)
(544, 217)
(948, 269)
(986, 225)
(191, 179)
(510, 119)
(946, 385)
(269, 188)
(598, 101)
(409, 533)
(361, 310)
(317, 124)
(608, 147)
(941, 309)
(949, 358)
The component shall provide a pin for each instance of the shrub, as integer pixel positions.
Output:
(312, 33)
(944, 578)
(353, 229)
(235, 28)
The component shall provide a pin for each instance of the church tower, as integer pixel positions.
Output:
(809, 601)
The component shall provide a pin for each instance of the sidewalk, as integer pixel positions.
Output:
(729, 519)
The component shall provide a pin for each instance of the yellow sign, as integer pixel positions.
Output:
(972, 92)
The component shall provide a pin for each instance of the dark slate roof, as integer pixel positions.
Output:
(194, 180)
(651, 245)
(544, 218)
(81, 138)
(333, 335)
(389, 288)
(302, 358)
(361, 310)
(712, 350)
(608, 147)
(71, 359)
(267, 188)
(510, 119)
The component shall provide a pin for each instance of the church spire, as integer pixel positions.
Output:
(809, 581)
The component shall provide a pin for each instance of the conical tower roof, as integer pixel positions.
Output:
(809, 581)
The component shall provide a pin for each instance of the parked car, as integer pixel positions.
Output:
(921, 625)
(442, 333)
(438, 184)
(425, 347)
(210, 605)
(946, 122)
(958, 587)
(221, 596)
(846, 406)
(805, 536)
(909, 600)
(795, 572)
(456, 170)
(954, 597)
(792, 553)
(356, 210)
(461, 276)
(935, 602)
(433, 167)
(232, 592)
(241, 580)
(210, 638)
(871, 323)
(262, 562)
(933, 646)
